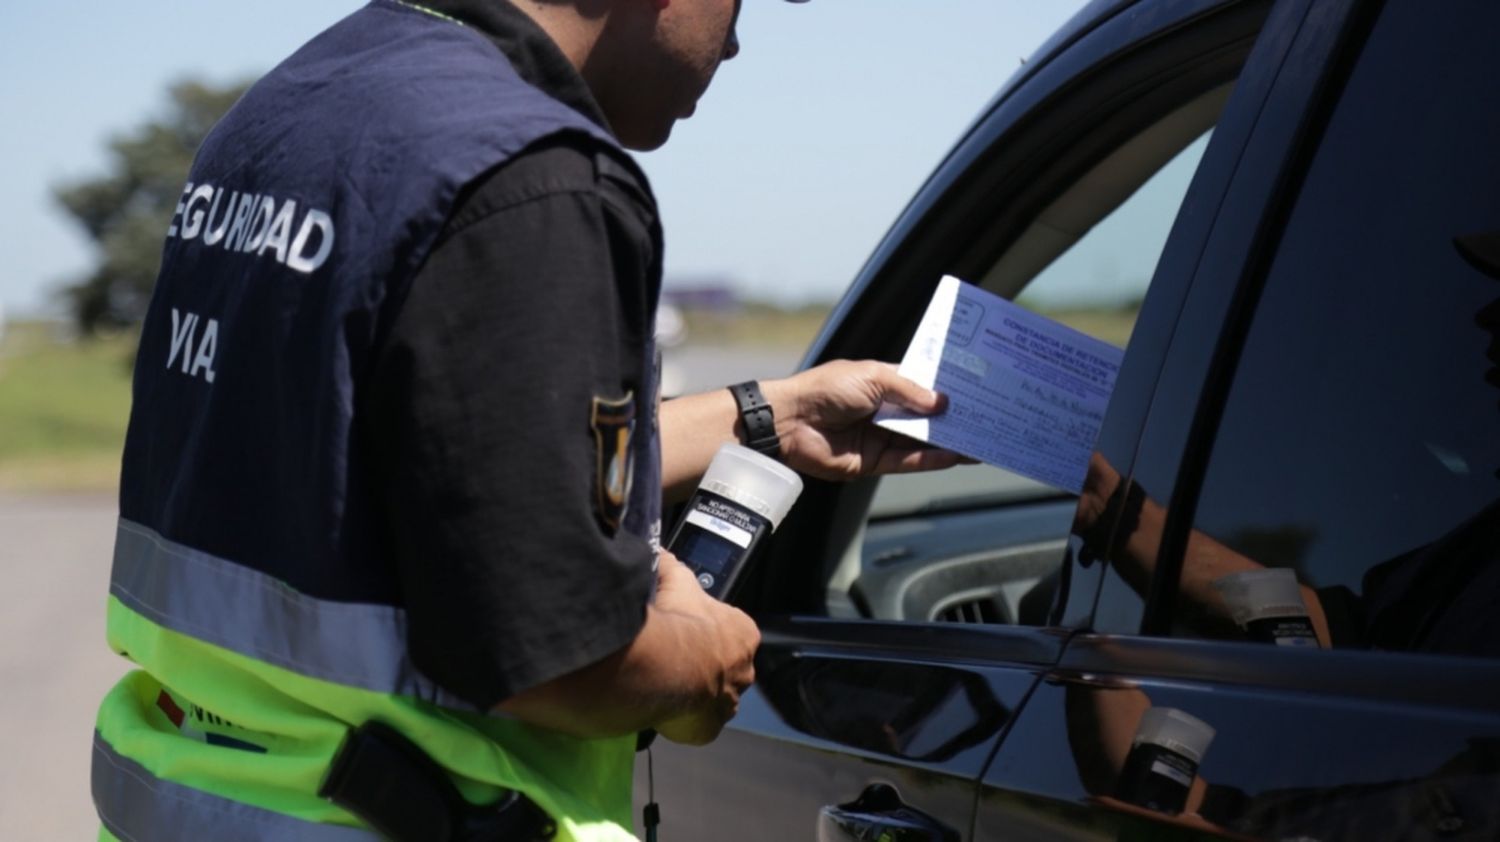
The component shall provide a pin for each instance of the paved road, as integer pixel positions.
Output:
(696, 368)
(54, 664)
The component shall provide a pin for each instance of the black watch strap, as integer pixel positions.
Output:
(760, 422)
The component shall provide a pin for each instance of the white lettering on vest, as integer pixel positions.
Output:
(203, 361)
(181, 330)
(279, 236)
(261, 224)
(177, 214)
(241, 225)
(216, 232)
(298, 259)
(184, 330)
(192, 214)
(254, 223)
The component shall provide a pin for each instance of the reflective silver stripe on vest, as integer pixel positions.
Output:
(136, 805)
(245, 611)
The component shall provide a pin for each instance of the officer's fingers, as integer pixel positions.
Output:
(906, 394)
(693, 729)
(674, 578)
(665, 560)
(669, 566)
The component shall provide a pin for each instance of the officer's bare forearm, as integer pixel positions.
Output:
(693, 427)
(690, 661)
(654, 678)
(823, 420)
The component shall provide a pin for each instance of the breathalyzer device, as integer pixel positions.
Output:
(742, 498)
(1164, 756)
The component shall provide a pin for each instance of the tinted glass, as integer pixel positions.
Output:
(1360, 443)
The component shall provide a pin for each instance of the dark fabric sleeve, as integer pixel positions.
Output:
(480, 416)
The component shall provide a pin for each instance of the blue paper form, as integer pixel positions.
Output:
(1024, 392)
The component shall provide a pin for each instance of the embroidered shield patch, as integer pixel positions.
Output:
(614, 425)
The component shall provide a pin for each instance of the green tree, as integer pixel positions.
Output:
(126, 211)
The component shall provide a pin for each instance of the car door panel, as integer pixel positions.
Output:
(1344, 756)
(828, 723)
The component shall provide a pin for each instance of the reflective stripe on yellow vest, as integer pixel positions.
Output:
(265, 683)
(130, 798)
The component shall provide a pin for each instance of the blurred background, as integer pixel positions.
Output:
(773, 194)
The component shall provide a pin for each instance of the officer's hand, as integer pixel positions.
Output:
(723, 653)
(823, 416)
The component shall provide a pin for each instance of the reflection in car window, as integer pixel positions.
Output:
(1357, 457)
(980, 564)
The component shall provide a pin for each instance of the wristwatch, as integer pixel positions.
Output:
(759, 421)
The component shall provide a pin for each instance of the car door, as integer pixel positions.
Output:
(906, 622)
(1324, 420)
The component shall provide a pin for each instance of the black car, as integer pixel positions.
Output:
(1310, 392)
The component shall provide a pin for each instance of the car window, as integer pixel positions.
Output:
(1352, 496)
(1096, 286)
(979, 543)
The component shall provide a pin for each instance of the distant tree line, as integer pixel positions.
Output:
(126, 211)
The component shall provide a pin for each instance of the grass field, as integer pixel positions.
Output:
(757, 324)
(1113, 326)
(63, 408)
(64, 403)
(760, 325)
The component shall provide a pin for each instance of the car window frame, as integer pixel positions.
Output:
(1048, 105)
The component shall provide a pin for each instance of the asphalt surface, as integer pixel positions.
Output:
(696, 368)
(54, 663)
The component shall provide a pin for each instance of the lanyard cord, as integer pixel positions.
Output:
(651, 816)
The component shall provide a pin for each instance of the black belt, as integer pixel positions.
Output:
(388, 782)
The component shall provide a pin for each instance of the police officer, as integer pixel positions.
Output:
(388, 545)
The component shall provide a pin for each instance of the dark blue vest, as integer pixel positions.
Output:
(308, 211)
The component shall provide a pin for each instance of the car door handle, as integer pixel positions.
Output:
(878, 815)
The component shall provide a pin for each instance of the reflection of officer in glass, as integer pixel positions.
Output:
(1438, 597)
(1133, 553)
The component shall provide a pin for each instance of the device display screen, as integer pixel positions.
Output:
(714, 539)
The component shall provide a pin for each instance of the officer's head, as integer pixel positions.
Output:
(646, 61)
(655, 58)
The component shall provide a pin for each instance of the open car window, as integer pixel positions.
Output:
(1090, 274)
(980, 544)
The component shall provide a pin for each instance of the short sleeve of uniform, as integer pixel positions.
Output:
(532, 306)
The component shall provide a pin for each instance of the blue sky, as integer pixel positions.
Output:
(798, 159)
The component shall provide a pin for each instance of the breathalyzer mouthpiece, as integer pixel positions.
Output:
(743, 497)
